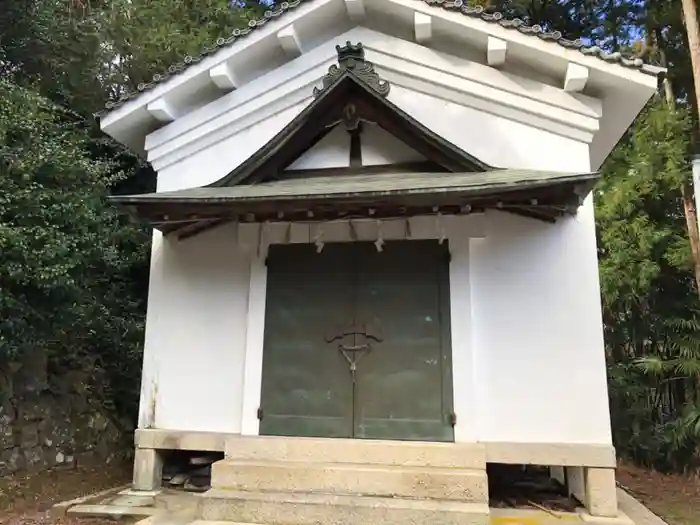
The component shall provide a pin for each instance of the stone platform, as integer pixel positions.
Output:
(305, 481)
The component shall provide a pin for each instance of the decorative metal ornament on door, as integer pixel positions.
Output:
(356, 351)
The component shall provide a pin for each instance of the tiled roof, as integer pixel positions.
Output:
(449, 5)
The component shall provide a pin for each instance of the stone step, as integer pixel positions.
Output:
(205, 522)
(352, 479)
(325, 509)
(358, 451)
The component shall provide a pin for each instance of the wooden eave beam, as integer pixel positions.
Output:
(185, 218)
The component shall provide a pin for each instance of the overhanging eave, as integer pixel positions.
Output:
(539, 195)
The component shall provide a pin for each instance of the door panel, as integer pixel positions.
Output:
(305, 387)
(404, 387)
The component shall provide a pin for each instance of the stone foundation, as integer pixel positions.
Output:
(268, 476)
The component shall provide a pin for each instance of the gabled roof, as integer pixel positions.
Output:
(460, 6)
(353, 95)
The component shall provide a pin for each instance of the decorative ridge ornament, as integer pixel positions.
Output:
(351, 60)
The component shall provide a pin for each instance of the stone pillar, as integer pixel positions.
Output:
(558, 474)
(148, 469)
(576, 483)
(601, 492)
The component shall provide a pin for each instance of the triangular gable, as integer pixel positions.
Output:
(377, 148)
(353, 96)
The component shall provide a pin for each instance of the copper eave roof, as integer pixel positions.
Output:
(450, 5)
(537, 194)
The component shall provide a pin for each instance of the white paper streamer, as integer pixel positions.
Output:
(379, 243)
(318, 238)
(440, 226)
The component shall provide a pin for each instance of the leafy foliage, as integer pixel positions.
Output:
(67, 257)
(650, 306)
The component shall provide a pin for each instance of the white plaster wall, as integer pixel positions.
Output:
(537, 331)
(529, 366)
(195, 334)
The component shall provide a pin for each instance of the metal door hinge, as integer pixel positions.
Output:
(260, 414)
(453, 419)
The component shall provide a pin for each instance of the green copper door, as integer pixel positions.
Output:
(357, 342)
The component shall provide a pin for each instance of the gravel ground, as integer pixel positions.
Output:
(26, 499)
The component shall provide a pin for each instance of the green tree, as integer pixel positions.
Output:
(67, 254)
(650, 306)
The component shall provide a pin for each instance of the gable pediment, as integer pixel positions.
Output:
(377, 148)
(350, 106)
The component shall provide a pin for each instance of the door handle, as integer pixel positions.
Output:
(354, 348)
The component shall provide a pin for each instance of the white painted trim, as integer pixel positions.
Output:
(356, 9)
(224, 77)
(576, 77)
(203, 67)
(546, 49)
(578, 128)
(463, 387)
(255, 336)
(496, 52)
(404, 63)
(289, 41)
(274, 85)
(422, 28)
(468, 70)
(162, 110)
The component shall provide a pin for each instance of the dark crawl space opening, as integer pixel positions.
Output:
(188, 470)
(527, 486)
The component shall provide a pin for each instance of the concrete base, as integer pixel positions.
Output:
(595, 488)
(558, 474)
(469, 485)
(328, 509)
(148, 469)
(381, 469)
(304, 481)
(576, 483)
(357, 451)
(601, 492)
(132, 492)
(620, 519)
